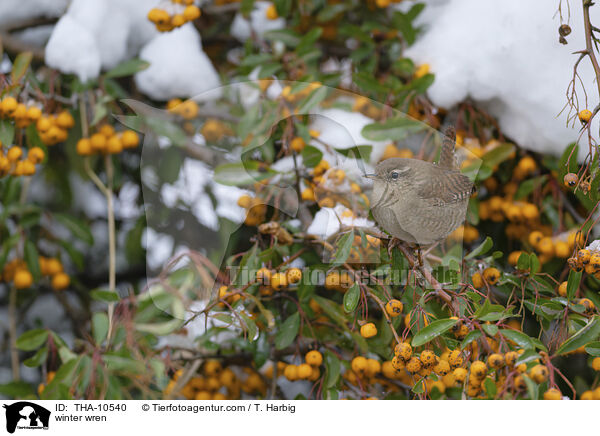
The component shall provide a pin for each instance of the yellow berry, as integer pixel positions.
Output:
(191, 13)
(22, 279)
(130, 139)
(491, 275)
(368, 330)
(297, 144)
(359, 364)
(394, 308)
(314, 358)
(552, 394)
(585, 115)
(60, 281)
(271, 12)
(293, 275)
(278, 281)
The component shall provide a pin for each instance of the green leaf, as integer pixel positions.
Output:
(593, 348)
(167, 129)
(418, 388)
(532, 387)
(16, 389)
(77, 227)
(489, 388)
(288, 37)
(288, 331)
(393, 129)
(534, 263)
(238, 174)
(343, 248)
(432, 331)
(22, 62)
(528, 186)
(362, 152)
(519, 338)
(471, 336)
(498, 155)
(351, 298)
(311, 156)
(587, 334)
(333, 368)
(573, 283)
(104, 295)
(32, 259)
(127, 68)
(490, 329)
(332, 310)
(37, 359)
(483, 248)
(116, 362)
(99, 327)
(523, 262)
(312, 100)
(32, 339)
(251, 327)
(7, 133)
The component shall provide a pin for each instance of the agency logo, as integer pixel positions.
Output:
(24, 415)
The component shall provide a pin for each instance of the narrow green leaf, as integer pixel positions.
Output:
(32, 339)
(573, 283)
(37, 359)
(246, 173)
(32, 259)
(471, 336)
(519, 338)
(351, 298)
(250, 327)
(333, 368)
(483, 248)
(343, 248)
(432, 331)
(288, 331)
(7, 133)
(77, 227)
(587, 334)
(104, 295)
(99, 327)
(311, 156)
(498, 154)
(127, 68)
(393, 129)
(593, 348)
(22, 62)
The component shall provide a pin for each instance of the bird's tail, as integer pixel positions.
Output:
(447, 154)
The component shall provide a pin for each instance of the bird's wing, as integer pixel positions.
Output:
(447, 159)
(447, 188)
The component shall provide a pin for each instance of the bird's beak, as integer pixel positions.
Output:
(370, 176)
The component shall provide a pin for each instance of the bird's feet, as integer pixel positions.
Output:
(393, 243)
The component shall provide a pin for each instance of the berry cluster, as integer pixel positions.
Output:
(17, 272)
(174, 14)
(107, 141)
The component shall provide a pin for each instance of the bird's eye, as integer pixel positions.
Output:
(395, 175)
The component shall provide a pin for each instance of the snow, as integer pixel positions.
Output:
(342, 129)
(178, 67)
(242, 28)
(594, 246)
(77, 55)
(12, 11)
(509, 60)
(327, 222)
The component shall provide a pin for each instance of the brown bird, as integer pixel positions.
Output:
(421, 202)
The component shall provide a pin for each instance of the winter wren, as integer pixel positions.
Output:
(421, 202)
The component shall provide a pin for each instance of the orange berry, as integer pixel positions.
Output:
(368, 330)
